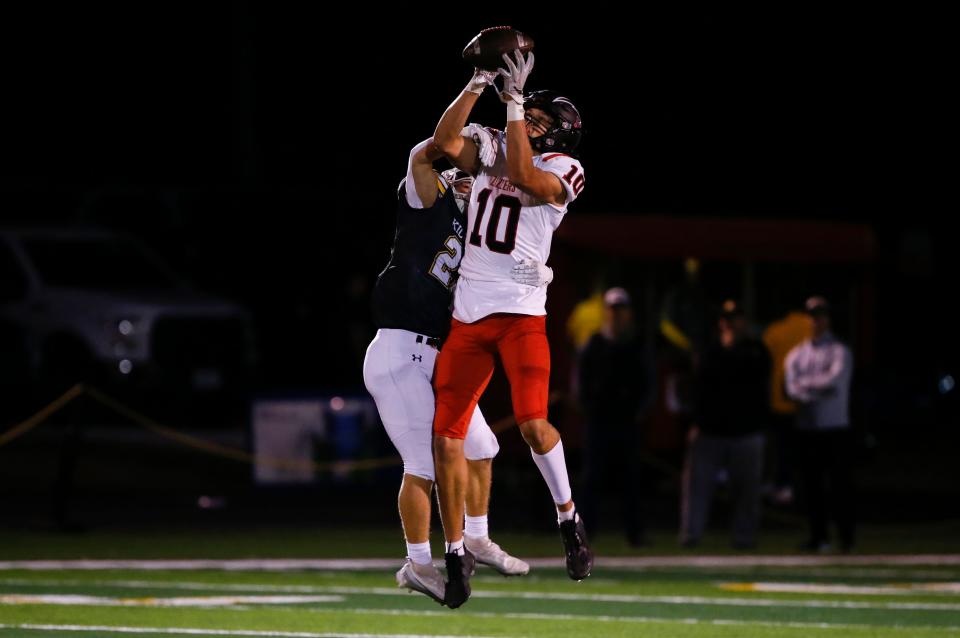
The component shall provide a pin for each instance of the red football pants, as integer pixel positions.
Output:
(465, 365)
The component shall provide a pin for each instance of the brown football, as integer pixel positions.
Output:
(486, 50)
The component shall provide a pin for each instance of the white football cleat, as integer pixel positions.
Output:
(489, 553)
(422, 578)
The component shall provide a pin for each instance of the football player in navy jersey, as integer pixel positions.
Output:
(411, 308)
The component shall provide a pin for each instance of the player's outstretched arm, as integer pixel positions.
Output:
(462, 151)
(421, 175)
(520, 169)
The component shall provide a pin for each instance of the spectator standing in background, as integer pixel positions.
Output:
(617, 386)
(818, 374)
(732, 411)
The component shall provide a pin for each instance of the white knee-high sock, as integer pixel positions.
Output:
(553, 467)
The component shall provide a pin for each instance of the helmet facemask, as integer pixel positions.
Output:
(459, 181)
(565, 131)
(543, 125)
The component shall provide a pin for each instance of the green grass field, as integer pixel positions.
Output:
(651, 594)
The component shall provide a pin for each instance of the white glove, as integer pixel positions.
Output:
(515, 76)
(481, 79)
(532, 273)
(486, 145)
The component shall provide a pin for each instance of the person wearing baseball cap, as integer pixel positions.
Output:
(817, 306)
(616, 380)
(616, 297)
(818, 374)
(731, 415)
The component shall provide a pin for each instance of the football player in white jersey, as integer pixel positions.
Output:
(515, 206)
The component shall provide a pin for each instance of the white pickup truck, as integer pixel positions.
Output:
(98, 306)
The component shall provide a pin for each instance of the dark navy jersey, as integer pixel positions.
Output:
(414, 291)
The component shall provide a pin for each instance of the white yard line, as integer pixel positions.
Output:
(153, 601)
(359, 564)
(526, 595)
(217, 632)
(207, 564)
(894, 589)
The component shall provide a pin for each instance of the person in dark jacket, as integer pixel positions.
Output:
(616, 382)
(732, 411)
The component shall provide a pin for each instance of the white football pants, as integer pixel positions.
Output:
(398, 372)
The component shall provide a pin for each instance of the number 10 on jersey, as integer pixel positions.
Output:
(503, 202)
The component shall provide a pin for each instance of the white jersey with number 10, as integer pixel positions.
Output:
(504, 227)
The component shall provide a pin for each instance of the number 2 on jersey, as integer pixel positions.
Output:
(447, 261)
(509, 241)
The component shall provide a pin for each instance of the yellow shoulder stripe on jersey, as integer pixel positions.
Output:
(441, 186)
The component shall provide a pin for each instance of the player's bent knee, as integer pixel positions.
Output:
(420, 470)
(446, 448)
(534, 427)
(412, 441)
(418, 481)
(539, 435)
(482, 445)
(418, 461)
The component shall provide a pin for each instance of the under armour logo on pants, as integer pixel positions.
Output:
(417, 357)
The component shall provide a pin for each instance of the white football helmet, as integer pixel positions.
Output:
(461, 182)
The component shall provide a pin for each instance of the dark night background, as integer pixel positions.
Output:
(257, 148)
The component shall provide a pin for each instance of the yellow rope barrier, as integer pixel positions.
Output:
(233, 453)
(237, 454)
(209, 447)
(55, 406)
(243, 456)
(224, 451)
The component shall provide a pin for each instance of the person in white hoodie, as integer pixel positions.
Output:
(818, 374)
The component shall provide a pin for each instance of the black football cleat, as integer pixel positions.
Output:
(459, 570)
(576, 547)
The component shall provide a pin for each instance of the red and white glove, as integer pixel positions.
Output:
(532, 273)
